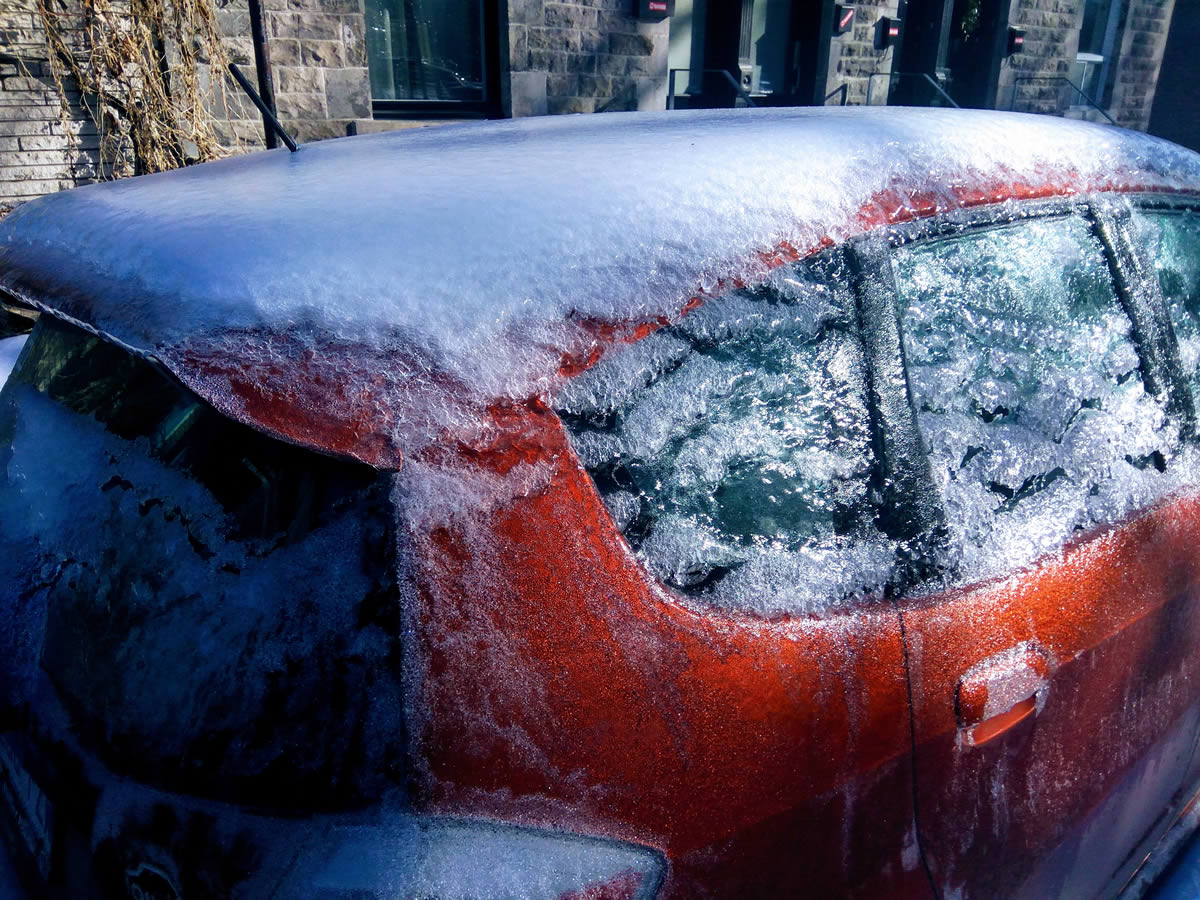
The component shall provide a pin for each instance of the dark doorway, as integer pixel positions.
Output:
(812, 30)
(1174, 114)
(722, 41)
(975, 50)
(923, 51)
(765, 52)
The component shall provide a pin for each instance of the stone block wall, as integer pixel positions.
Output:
(39, 151)
(1052, 39)
(1029, 80)
(585, 56)
(318, 63)
(853, 57)
(1143, 39)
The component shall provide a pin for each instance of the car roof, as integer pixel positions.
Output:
(362, 295)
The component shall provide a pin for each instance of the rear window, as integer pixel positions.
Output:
(270, 490)
(218, 609)
(733, 449)
(1028, 389)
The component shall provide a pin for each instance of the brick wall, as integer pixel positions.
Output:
(38, 152)
(1142, 40)
(587, 56)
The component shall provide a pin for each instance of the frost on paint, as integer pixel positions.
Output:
(389, 246)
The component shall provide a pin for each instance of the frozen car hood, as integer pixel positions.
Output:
(369, 295)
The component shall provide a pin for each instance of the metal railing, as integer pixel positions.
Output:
(842, 89)
(733, 82)
(923, 77)
(1061, 106)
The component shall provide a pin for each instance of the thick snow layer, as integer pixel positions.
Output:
(464, 252)
(10, 349)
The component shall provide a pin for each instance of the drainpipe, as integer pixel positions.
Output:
(262, 64)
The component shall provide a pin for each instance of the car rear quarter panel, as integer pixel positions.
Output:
(559, 686)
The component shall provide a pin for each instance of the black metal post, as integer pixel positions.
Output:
(268, 117)
(262, 63)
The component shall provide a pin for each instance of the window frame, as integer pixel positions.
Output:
(903, 460)
(1177, 205)
(490, 107)
(834, 257)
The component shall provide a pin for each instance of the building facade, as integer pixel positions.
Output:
(340, 66)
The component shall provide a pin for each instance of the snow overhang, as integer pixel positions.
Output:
(369, 296)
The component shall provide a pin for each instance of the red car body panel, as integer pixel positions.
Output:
(762, 757)
(784, 771)
(736, 740)
(1118, 620)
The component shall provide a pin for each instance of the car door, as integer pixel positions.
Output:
(1052, 668)
(1168, 236)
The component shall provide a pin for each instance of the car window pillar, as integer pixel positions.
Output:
(1138, 289)
(909, 506)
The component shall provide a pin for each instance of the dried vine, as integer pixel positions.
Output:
(138, 65)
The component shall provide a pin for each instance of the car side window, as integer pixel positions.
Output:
(733, 449)
(1173, 241)
(1029, 394)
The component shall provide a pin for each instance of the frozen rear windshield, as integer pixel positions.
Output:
(269, 489)
(1028, 389)
(216, 609)
(733, 449)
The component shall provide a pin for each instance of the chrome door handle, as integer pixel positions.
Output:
(1002, 690)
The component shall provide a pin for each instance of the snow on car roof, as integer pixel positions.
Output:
(361, 296)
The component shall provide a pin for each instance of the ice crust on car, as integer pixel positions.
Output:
(260, 280)
(353, 298)
(1030, 393)
(733, 449)
(10, 349)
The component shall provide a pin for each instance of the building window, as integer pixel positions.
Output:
(432, 57)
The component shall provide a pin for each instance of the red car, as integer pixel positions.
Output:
(729, 504)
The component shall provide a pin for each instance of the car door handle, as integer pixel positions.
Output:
(1002, 690)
